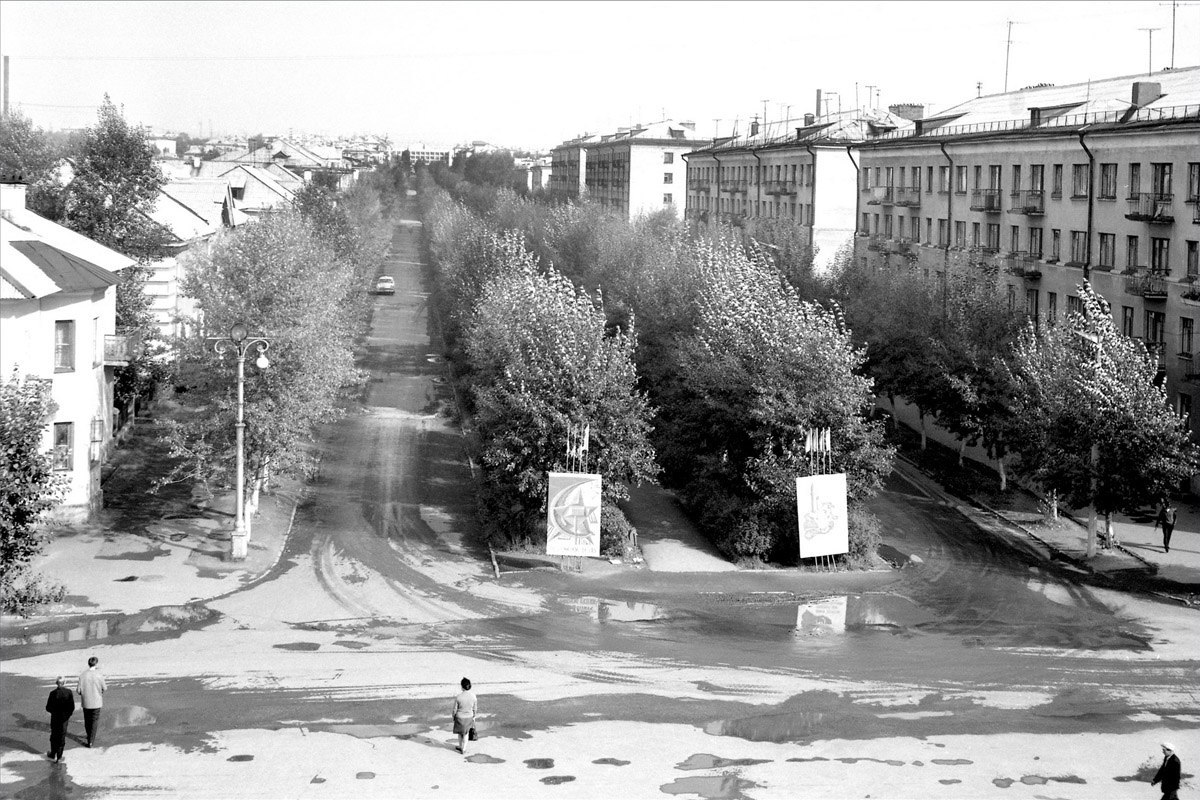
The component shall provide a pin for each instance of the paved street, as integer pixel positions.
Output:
(979, 669)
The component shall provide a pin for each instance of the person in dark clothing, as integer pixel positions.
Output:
(1166, 518)
(1168, 773)
(61, 705)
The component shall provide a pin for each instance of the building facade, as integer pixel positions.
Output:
(568, 167)
(1052, 186)
(57, 324)
(640, 170)
(804, 176)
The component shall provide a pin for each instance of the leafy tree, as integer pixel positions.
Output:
(29, 486)
(28, 151)
(543, 363)
(1090, 422)
(283, 282)
(763, 367)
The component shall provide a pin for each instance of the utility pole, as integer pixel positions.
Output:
(764, 118)
(1007, 48)
(870, 95)
(6, 87)
(1150, 56)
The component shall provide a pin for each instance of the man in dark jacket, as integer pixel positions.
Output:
(1168, 773)
(61, 705)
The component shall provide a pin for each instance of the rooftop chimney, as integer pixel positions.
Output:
(1145, 93)
(809, 119)
(910, 111)
(754, 127)
(818, 103)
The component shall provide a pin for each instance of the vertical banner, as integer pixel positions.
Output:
(823, 518)
(573, 515)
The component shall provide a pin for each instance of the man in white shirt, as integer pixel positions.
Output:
(91, 697)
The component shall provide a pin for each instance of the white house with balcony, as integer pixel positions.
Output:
(58, 324)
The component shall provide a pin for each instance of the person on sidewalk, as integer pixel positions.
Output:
(91, 697)
(466, 705)
(1167, 515)
(1168, 773)
(61, 705)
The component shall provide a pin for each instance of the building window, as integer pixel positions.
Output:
(1135, 180)
(1014, 239)
(1108, 247)
(976, 241)
(667, 199)
(1160, 255)
(943, 233)
(876, 227)
(668, 177)
(668, 158)
(1193, 192)
(1185, 335)
(1193, 259)
(866, 223)
(943, 180)
(1056, 180)
(960, 180)
(1074, 304)
(64, 346)
(887, 225)
(929, 230)
(1132, 257)
(1079, 180)
(1156, 326)
(915, 226)
(1185, 409)
(1079, 247)
(1160, 180)
(1035, 242)
(1012, 297)
(960, 233)
(1037, 177)
(64, 445)
(1127, 321)
(1051, 307)
(994, 177)
(916, 178)
(929, 180)
(977, 170)
(1108, 182)
(1031, 303)
(993, 237)
(1055, 244)
(1016, 178)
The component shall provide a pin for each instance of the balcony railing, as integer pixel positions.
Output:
(733, 186)
(781, 187)
(1154, 207)
(702, 186)
(1148, 287)
(1023, 265)
(882, 195)
(876, 242)
(987, 200)
(121, 348)
(1029, 201)
(909, 198)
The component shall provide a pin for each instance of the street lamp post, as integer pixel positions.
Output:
(241, 342)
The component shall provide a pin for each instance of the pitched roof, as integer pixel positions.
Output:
(36, 227)
(32, 267)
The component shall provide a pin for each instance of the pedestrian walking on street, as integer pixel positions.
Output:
(1166, 518)
(61, 705)
(466, 705)
(1168, 773)
(91, 697)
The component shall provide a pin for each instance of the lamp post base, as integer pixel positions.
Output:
(240, 545)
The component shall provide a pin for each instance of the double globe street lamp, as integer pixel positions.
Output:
(241, 342)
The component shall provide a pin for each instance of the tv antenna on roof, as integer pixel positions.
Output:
(1173, 4)
(1007, 48)
(1150, 56)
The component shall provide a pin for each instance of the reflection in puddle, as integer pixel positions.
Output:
(163, 618)
(602, 610)
(717, 787)
(819, 617)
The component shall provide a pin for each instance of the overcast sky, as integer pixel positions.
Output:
(531, 74)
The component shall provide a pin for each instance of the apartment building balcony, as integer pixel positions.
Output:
(703, 187)
(1156, 349)
(1031, 202)
(909, 198)
(781, 187)
(1152, 207)
(882, 196)
(900, 246)
(733, 187)
(876, 242)
(1023, 265)
(122, 348)
(1151, 287)
(986, 200)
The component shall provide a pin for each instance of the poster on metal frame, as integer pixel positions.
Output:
(822, 514)
(573, 515)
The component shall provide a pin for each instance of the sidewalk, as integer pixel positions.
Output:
(1138, 561)
(148, 550)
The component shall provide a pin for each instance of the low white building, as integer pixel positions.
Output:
(57, 323)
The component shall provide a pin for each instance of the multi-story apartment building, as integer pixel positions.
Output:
(641, 170)
(803, 175)
(568, 165)
(1055, 185)
(57, 324)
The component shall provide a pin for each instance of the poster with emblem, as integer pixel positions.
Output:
(573, 515)
(821, 508)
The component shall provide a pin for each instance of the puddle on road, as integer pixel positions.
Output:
(602, 610)
(554, 780)
(614, 762)
(240, 758)
(483, 758)
(716, 787)
(304, 646)
(539, 763)
(708, 761)
(164, 619)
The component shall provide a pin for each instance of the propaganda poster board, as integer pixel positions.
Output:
(573, 515)
(822, 515)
